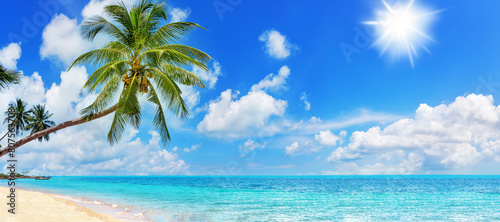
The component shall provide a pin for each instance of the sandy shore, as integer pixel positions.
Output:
(40, 207)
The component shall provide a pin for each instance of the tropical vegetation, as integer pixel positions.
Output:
(8, 77)
(34, 120)
(142, 59)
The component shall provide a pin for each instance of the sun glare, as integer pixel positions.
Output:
(402, 29)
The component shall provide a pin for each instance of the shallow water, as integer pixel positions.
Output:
(287, 198)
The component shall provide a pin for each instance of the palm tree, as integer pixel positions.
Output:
(8, 77)
(19, 117)
(39, 120)
(145, 56)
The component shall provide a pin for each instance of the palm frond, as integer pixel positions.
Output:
(159, 120)
(103, 99)
(170, 92)
(8, 77)
(127, 111)
(172, 32)
(100, 56)
(94, 25)
(155, 57)
(105, 73)
(182, 76)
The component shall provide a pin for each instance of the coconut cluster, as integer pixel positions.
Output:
(140, 80)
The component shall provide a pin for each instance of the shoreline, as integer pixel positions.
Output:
(42, 206)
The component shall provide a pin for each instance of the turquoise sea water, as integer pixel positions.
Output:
(286, 198)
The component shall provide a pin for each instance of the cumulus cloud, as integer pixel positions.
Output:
(292, 149)
(315, 120)
(327, 138)
(30, 89)
(9, 55)
(179, 15)
(231, 117)
(391, 155)
(276, 44)
(302, 146)
(96, 7)
(191, 94)
(209, 78)
(192, 148)
(83, 149)
(60, 35)
(455, 135)
(251, 145)
(249, 115)
(60, 98)
(303, 98)
(273, 82)
(342, 153)
(63, 33)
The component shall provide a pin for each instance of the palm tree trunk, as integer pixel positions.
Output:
(55, 128)
(4, 136)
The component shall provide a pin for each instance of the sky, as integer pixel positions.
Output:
(294, 88)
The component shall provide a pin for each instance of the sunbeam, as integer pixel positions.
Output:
(402, 29)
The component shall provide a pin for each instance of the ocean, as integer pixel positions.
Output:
(282, 198)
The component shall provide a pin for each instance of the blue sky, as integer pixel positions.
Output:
(284, 97)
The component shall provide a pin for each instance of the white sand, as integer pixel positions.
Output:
(40, 207)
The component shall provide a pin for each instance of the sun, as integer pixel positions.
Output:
(402, 29)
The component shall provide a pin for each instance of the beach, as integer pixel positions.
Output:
(41, 207)
(261, 198)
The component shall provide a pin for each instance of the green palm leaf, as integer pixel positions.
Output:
(143, 56)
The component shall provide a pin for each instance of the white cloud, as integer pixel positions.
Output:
(342, 153)
(96, 7)
(62, 41)
(63, 33)
(251, 145)
(356, 118)
(190, 95)
(412, 165)
(83, 149)
(315, 120)
(302, 146)
(292, 149)
(455, 136)
(277, 45)
(179, 15)
(193, 148)
(9, 55)
(60, 98)
(230, 117)
(327, 138)
(209, 78)
(390, 155)
(273, 82)
(303, 98)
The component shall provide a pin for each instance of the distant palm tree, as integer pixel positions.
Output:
(8, 77)
(145, 56)
(20, 116)
(39, 120)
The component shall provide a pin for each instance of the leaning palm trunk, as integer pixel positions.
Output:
(55, 128)
(145, 56)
